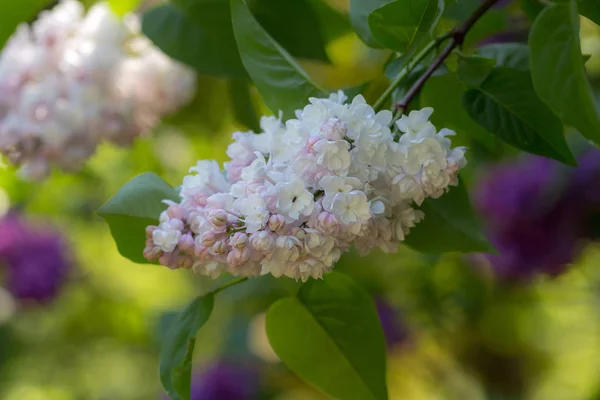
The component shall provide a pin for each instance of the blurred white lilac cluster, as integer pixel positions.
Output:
(74, 79)
(296, 196)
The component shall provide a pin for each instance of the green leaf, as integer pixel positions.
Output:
(122, 7)
(506, 105)
(283, 84)
(513, 55)
(243, 108)
(473, 70)
(399, 24)
(359, 18)
(284, 19)
(590, 9)
(449, 225)
(557, 69)
(333, 23)
(136, 205)
(198, 33)
(178, 346)
(15, 12)
(444, 93)
(330, 336)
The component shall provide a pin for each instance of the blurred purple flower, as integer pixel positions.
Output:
(537, 212)
(226, 380)
(395, 332)
(35, 259)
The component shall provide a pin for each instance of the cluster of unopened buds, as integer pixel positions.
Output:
(72, 80)
(296, 196)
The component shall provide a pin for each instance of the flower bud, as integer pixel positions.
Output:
(176, 211)
(238, 257)
(220, 247)
(298, 232)
(151, 252)
(218, 219)
(262, 241)
(169, 260)
(334, 129)
(150, 230)
(239, 240)
(277, 223)
(208, 239)
(186, 242)
(176, 224)
(327, 223)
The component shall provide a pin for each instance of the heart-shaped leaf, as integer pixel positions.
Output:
(283, 84)
(557, 69)
(136, 205)
(330, 336)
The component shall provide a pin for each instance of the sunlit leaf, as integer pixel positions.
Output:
(135, 206)
(330, 336)
(122, 7)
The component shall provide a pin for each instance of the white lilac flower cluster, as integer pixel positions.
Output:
(296, 196)
(73, 79)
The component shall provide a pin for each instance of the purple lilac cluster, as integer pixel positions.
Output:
(539, 213)
(395, 332)
(33, 259)
(225, 380)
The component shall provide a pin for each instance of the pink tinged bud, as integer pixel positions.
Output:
(220, 247)
(186, 262)
(312, 141)
(327, 223)
(218, 219)
(176, 224)
(238, 257)
(150, 230)
(176, 211)
(334, 129)
(169, 260)
(208, 239)
(239, 240)
(186, 243)
(152, 253)
(262, 241)
(277, 223)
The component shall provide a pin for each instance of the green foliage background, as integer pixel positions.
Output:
(471, 338)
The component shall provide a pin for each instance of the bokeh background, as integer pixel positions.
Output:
(78, 321)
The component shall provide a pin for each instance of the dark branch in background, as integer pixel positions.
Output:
(457, 37)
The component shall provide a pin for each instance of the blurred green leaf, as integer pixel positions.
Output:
(513, 55)
(283, 84)
(449, 225)
(557, 69)
(399, 24)
(443, 93)
(590, 9)
(135, 206)
(197, 33)
(283, 20)
(243, 108)
(122, 7)
(532, 8)
(359, 18)
(330, 336)
(15, 12)
(333, 23)
(506, 105)
(178, 346)
(473, 70)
